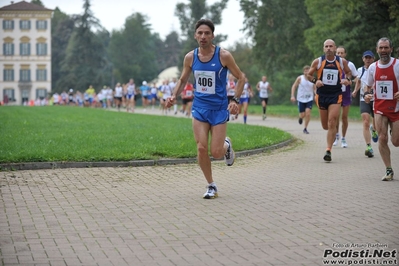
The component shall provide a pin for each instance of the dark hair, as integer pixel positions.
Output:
(204, 21)
(385, 39)
(342, 48)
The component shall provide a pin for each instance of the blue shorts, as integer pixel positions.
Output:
(303, 106)
(244, 100)
(212, 117)
(129, 96)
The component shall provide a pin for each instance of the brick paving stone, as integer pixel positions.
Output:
(280, 207)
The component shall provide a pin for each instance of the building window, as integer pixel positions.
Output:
(24, 24)
(8, 24)
(10, 94)
(41, 94)
(8, 48)
(25, 49)
(41, 74)
(8, 74)
(41, 24)
(24, 75)
(41, 48)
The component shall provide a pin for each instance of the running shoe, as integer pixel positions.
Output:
(305, 131)
(336, 140)
(229, 157)
(300, 120)
(388, 175)
(374, 134)
(327, 156)
(343, 143)
(264, 117)
(369, 152)
(211, 192)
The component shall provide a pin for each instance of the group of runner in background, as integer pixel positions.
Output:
(125, 97)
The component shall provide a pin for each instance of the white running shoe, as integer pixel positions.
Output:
(388, 175)
(211, 192)
(336, 140)
(229, 157)
(343, 143)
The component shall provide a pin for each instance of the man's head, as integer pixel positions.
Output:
(329, 48)
(368, 58)
(341, 52)
(306, 69)
(204, 29)
(384, 49)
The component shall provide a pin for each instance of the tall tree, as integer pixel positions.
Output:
(86, 55)
(133, 50)
(62, 27)
(172, 49)
(357, 25)
(278, 33)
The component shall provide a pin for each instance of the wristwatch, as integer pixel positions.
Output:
(236, 100)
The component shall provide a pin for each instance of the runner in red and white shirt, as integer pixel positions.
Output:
(384, 75)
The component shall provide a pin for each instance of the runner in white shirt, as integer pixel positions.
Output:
(118, 95)
(130, 96)
(167, 93)
(305, 97)
(264, 87)
(366, 109)
(172, 85)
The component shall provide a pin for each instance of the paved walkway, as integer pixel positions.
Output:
(285, 207)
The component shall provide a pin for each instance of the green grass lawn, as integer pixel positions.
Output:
(63, 133)
(292, 111)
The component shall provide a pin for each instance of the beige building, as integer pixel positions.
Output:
(25, 57)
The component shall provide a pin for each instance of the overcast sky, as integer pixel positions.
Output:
(112, 14)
